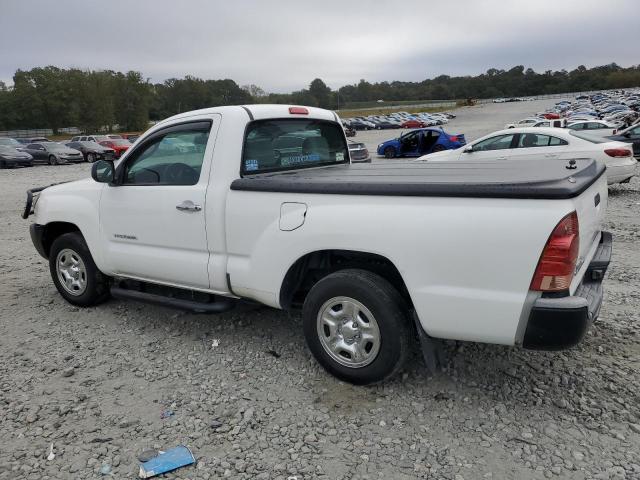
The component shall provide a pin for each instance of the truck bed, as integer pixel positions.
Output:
(543, 179)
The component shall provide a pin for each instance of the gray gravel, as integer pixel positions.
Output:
(94, 383)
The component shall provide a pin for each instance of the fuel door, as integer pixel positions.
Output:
(292, 215)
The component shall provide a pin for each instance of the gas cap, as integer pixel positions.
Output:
(292, 215)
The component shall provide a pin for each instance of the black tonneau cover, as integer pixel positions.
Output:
(543, 179)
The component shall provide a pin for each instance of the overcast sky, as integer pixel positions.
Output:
(283, 45)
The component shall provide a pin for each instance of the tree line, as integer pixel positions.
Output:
(51, 97)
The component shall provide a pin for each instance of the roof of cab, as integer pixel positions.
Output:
(261, 111)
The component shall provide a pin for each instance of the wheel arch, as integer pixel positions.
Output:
(53, 230)
(307, 270)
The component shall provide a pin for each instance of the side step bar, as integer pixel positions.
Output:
(219, 306)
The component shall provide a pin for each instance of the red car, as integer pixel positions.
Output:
(551, 116)
(413, 124)
(119, 145)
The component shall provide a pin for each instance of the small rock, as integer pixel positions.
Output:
(67, 372)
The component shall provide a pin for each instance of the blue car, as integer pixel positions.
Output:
(420, 142)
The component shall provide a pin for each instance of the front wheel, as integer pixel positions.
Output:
(389, 152)
(53, 160)
(356, 325)
(91, 157)
(74, 272)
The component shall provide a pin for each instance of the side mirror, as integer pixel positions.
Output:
(468, 149)
(103, 171)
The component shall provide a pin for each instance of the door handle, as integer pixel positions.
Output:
(188, 206)
(501, 158)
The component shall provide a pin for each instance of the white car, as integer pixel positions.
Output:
(535, 143)
(266, 206)
(525, 122)
(596, 128)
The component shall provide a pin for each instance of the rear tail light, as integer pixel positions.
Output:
(453, 138)
(618, 152)
(558, 260)
(298, 111)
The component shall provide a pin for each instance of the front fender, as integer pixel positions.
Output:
(77, 203)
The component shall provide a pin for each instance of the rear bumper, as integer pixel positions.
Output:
(558, 323)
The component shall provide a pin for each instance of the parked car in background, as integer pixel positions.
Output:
(538, 143)
(10, 142)
(132, 137)
(359, 153)
(115, 136)
(27, 141)
(12, 157)
(90, 138)
(413, 123)
(420, 142)
(525, 122)
(629, 135)
(52, 153)
(118, 145)
(92, 151)
(359, 125)
(596, 128)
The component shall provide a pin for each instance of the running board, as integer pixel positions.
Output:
(221, 305)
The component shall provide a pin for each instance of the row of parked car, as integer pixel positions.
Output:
(84, 148)
(611, 116)
(397, 120)
(583, 128)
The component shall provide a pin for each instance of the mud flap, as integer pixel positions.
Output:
(432, 349)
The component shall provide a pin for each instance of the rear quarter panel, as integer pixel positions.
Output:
(467, 262)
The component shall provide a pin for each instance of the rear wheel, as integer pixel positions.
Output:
(53, 160)
(389, 152)
(74, 272)
(356, 325)
(91, 157)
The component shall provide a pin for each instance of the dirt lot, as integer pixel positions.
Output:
(250, 401)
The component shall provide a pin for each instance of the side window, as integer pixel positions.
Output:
(577, 126)
(555, 142)
(171, 159)
(500, 142)
(35, 146)
(529, 140)
(593, 126)
(635, 132)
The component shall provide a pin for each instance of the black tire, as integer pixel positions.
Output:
(97, 283)
(390, 314)
(53, 160)
(437, 148)
(91, 157)
(389, 152)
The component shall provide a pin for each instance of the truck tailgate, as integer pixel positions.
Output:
(591, 206)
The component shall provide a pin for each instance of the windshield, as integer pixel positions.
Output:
(92, 145)
(11, 142)
(55, 147)
(8, 149)
(587, 137)
(287, 144)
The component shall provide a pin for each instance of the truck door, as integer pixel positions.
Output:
(152, 218)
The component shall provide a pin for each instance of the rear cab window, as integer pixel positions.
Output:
(287, 144)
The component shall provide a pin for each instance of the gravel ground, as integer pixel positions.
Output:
(250, 401)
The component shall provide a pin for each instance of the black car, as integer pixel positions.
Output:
(358, 125)
(359, 153)
(11, 157)
(629, 135)
(92, 151)
(52, 153)
(384, 125)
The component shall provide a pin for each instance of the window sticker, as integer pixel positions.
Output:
(251, 164)
(297, 159)
(339, 156)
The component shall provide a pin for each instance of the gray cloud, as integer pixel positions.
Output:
(283, 45)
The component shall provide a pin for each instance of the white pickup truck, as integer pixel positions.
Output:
(261, 203)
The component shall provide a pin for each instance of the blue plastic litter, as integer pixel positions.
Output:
(166, 461)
